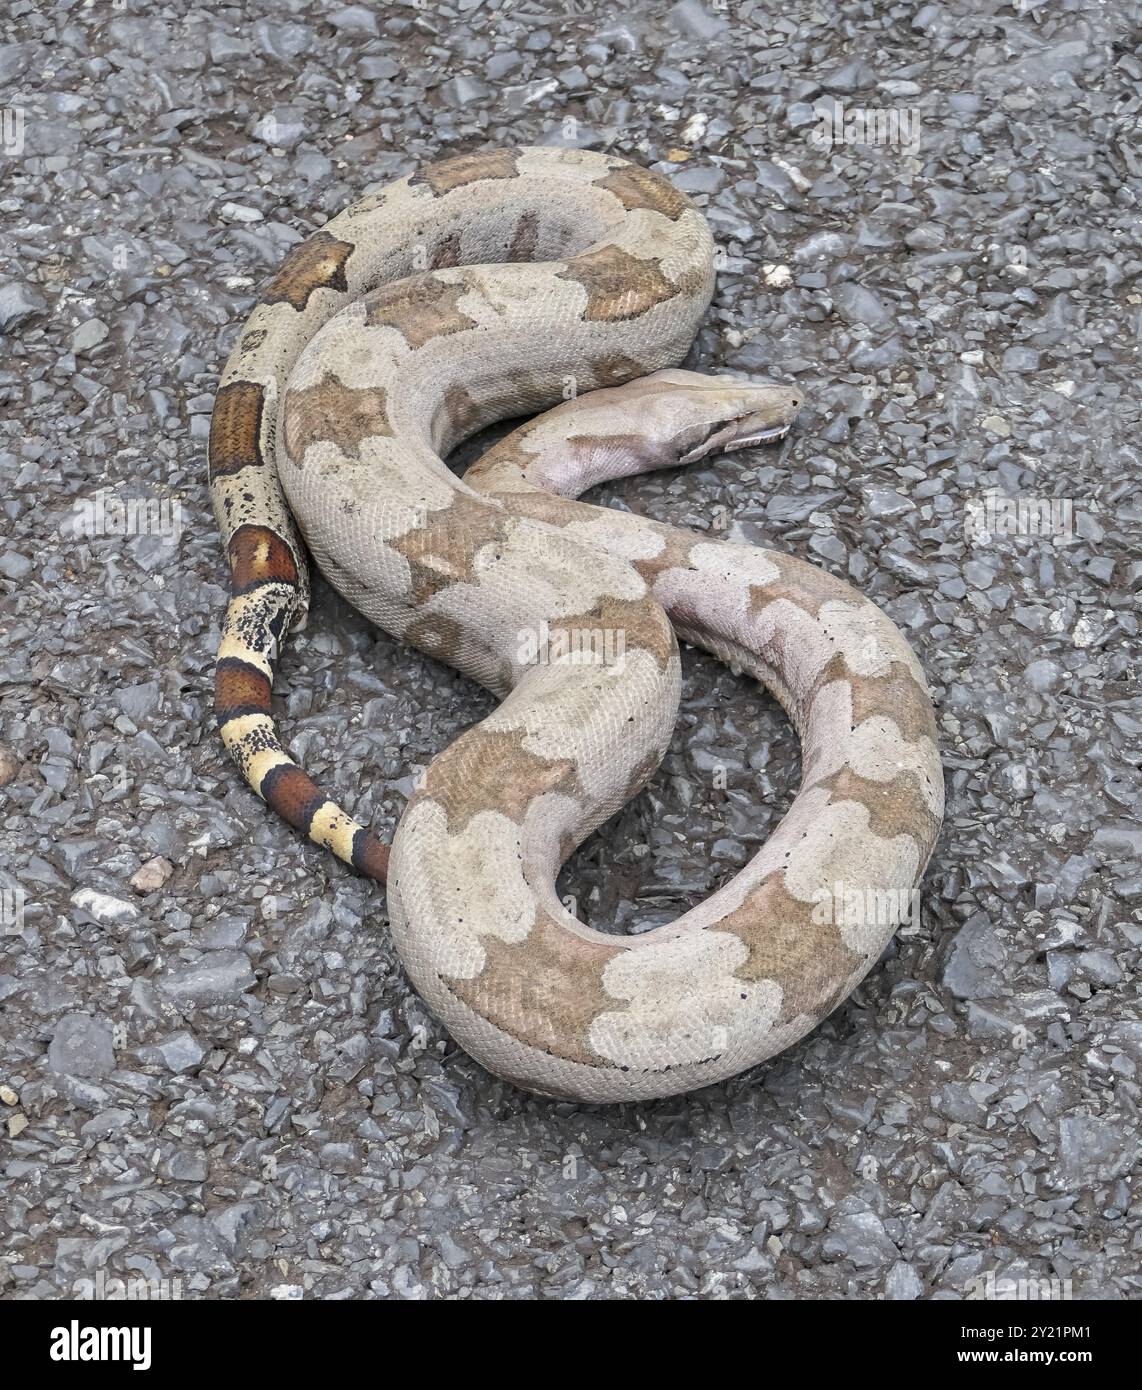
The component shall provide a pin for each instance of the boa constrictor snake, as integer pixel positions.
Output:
(490, 286)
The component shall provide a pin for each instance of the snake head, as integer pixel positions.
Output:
(662, 420)
(693, 416)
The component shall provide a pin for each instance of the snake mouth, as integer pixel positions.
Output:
(747, 441)
(725, 439)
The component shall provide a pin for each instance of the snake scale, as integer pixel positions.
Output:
(490, 286)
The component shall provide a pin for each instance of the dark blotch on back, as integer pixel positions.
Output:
(447, 174)
(235, 428)
(239, 689)
(317, 264)
(636, 187)
(370, 856)
(259, 556)
(293, 795)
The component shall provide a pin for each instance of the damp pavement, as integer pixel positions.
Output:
(214, 1076)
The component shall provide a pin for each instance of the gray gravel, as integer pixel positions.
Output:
(213, 1070)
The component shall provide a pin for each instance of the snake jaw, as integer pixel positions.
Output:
(743, 432)
(771, 435)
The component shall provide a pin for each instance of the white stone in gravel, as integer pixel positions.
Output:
(103, 907)
(1085, 632)
(236, 212)
(13, 565)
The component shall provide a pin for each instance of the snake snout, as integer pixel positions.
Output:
(748, 414)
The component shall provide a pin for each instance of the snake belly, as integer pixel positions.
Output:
(491, 286)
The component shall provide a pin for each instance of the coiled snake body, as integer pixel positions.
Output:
(492, 285)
